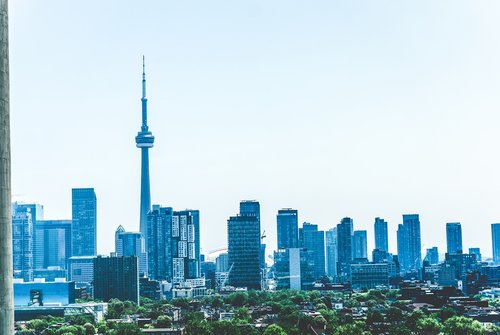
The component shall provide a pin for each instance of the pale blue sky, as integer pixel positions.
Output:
(336, 108)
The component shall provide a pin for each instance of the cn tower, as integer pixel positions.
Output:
(144, 140)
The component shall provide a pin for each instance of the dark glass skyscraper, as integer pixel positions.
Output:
(409, 244)
(381, 236)
(84, 223)
(116, 277)
(250, 208)
(244, 246)
(344, 246)
(453, 238)
(495, 237)
(159, 243)
(288, 228)
(144, 141)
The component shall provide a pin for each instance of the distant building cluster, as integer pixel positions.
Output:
(56, 260)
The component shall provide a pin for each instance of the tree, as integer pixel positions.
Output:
(125, 329)
(102, 328)
(74, 330)
(412, 319)
(446, 313)
(274, 330)
(428, 326)
(356, 328)
(394, 314)
(238, 299)
(25, 331)
(242, 315)
(89, 329)
(38, 325)
(374, 316)
(224, 328)
(460, 325)
(163, 321)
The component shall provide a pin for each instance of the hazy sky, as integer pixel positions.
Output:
(335, 108)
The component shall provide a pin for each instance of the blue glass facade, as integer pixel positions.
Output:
(344, 246)
(244, 248)
(381, 235)
(44, 293)
(495, 237)
(52, 243)
(159, 243)
(454, 238)
(310, 238)
(331, 252)
(359, 242)
(432, 255)
(22, 245)
(131, 244)
(84, 222)
(287, 228)
(409, 244)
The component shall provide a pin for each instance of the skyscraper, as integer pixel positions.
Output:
(288, 228)
(381, 236)
(131, 244)
(244, 246)
(477, 252)
(294, 269)
(36, 210)
(22, 243)
(453, 237)
(51, 243)
(331, 252)
(159, 243)
(84, 223)
(359, 241)
(144, 141)
(344, 246)
(222, 263)
(432, 255)
(409, 244)
(495, 236)
(312, 239)
(116, 277)
(184, 244)
(250, 208)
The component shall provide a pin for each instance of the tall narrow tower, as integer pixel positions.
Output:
(144, 140)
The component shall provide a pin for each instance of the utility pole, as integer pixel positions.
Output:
(6, 268)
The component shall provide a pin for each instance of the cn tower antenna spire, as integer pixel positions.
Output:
(143, 77)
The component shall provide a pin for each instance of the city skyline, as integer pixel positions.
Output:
(332, 169)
